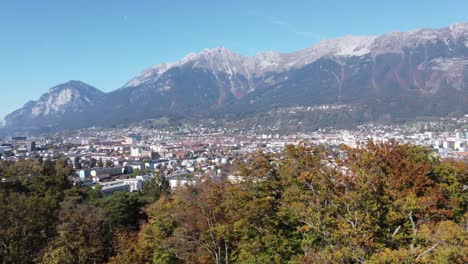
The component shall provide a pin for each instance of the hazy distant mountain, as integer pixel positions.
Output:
(54, 108)
(397, 75)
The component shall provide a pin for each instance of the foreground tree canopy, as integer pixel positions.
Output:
(384, 203)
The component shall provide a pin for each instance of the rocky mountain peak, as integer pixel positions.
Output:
(459, 29)
(73, 96)
(216, 59)
(425, 67)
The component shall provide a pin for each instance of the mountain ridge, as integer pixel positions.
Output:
(324, 47)
(422, 66)
(57, 102)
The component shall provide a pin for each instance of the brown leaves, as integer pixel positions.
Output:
(384, 203)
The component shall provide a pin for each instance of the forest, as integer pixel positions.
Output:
(382, 203)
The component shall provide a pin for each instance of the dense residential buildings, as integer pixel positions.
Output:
(124, 159)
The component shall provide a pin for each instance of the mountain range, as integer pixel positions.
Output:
(395, 76)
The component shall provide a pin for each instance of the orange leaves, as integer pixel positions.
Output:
(382, 203)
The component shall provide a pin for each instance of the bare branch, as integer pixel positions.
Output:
(413, 225)
(427, 251)
(396, 231)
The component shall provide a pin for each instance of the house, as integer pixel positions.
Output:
(144, 178)
(31, 146)
(132, 139)
(135, 166)
(114, 186)
(101, 177)
(5, 149)
(448, 144)
(134, 185)
(180, 178)
(127, 185)
(135, 152)
(112, 171)
(84, 174)
(179, 181)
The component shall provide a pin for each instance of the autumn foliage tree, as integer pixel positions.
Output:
(30, 196)
(382, 203)
(385, 202)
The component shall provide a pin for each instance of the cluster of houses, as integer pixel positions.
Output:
(131, 176)
(125, 159)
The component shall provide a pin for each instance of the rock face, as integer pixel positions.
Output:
(396, 75)
(55, 108)
(419, 73)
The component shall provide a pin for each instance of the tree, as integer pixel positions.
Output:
(83, 235)
(136, 172)
(109, 163)
(194, 230)
(29, 204)
(27, 222)
(122, 210)
(156, 187)
(92, 163)
(77, 163)
(443, 242)
(382, 203)
(377, 203)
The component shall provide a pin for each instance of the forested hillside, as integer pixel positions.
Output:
(384, 203)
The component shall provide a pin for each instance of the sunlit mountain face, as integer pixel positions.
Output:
(394, 76)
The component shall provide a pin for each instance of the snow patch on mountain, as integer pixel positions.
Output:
(241, 71)
(346, 46)
(221, 60)
(150, 74)
(453, 64)
(435, 57)
(459, 29)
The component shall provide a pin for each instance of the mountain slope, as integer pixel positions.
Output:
(394, 76)
(397, 75)
(54, 108)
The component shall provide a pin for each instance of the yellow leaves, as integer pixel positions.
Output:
(304, 229)
(407, 203)
(444, 232)
(389, 256)
(385, 203)
(443, 242)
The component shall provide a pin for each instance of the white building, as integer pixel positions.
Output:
(459, 145)
(134, 185)
(135, 152)
(132, 139)
(448, 144)
(112, 171)
(175, 182)
(429, 134)
(127, 185)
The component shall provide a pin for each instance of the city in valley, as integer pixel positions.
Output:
(124, 159)
(221, 132)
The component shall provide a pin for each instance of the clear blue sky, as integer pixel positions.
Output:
(106, 42)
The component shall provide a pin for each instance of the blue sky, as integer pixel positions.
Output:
(106, 42)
